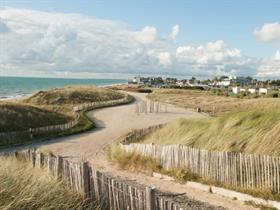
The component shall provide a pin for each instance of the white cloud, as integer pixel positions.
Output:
(35, 41)
(72, 42)
(270, 68)
(174, 32)
(147, 35)
(214, 57)
(268, 32)
(164, 59)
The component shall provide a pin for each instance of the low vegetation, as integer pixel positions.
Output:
(132, 161)
(19, 116)
(24, 187)
(50, 107)
(73, 95)
(210, 102)
(256, 131)
(137, 163)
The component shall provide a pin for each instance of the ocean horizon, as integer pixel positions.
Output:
(17, 87)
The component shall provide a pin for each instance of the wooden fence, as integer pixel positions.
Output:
(30, 133)
(109, 191)
(150, 107)
(237, 169)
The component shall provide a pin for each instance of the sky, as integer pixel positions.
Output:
(120, 38)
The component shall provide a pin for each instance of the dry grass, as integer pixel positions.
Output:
(73, 95)
(137, 163)
(240, 125)
(19, 116)
(132, 161)
(23, 187)
(209, 102)
(49, 107)
(255, 131)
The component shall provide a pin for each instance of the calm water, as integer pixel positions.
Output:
(19, 86)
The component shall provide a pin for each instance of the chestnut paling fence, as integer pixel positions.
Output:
(107, 190)
(10, 137)
(249, 171)
(150, 106)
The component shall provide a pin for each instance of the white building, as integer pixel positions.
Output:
(236, 90)
(263, 91)
(252, 90)
(224, 83)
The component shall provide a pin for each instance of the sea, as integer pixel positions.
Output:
(17, 87)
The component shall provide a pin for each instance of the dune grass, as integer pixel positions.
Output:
(50, 107)
(132, 161)
(135, 162)
(24, 187)
(73, 95)
(18, 116)
(209, 102)
(256, 131)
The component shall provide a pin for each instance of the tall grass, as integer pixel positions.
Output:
(255, 131)
(211, 103)
(24, 187)
(19, 116)
(138, 163)
(132, 161)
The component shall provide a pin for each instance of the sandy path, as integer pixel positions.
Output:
(116, 121)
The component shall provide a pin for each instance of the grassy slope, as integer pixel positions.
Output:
(23, 187)
(209, 102)
(19, 116)
(49, 107)
(255, 131)
(240, 125)
(73, 95)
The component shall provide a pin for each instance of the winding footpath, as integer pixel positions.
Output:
(114, 122)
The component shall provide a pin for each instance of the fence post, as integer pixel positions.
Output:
(33, 156)
(150, 198)
(85, 180)
(59, 166)
(41, 159)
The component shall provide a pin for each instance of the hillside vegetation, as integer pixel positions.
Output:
(50, 107)
(255, 131)
(20, 116)
(24, 187)
(73, 95)
(209, 102)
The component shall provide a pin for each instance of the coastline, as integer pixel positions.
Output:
(26, 95)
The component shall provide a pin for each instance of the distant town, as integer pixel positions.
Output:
(233, 84)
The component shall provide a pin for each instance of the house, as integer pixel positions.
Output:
(243, 90)
(140, 80)
(252, 90)
(263, 91)
(224, 82)
(236, 90)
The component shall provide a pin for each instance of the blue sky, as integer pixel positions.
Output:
(200, 22)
